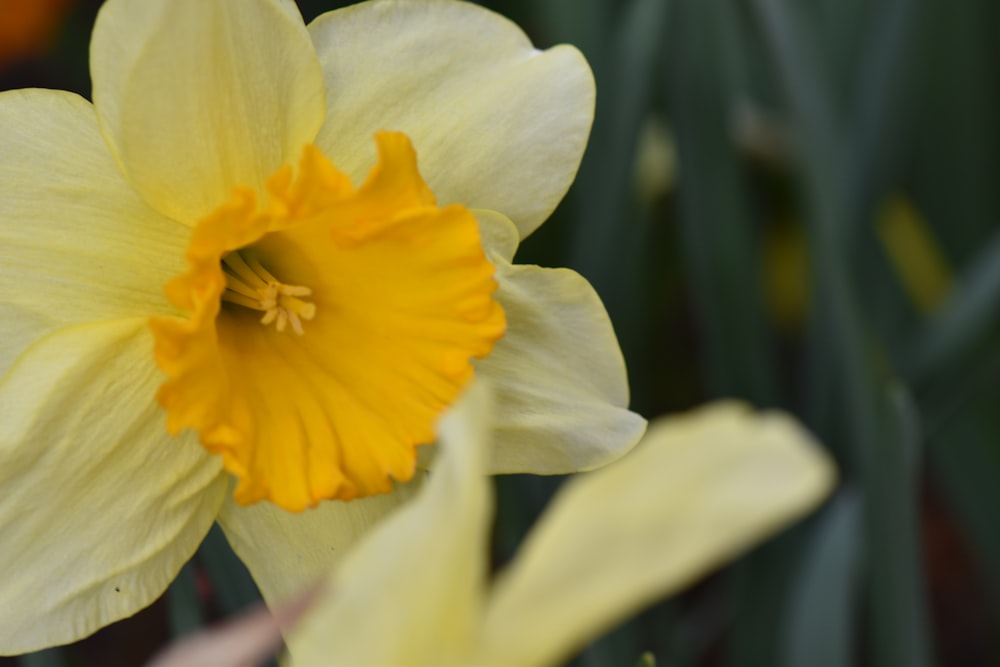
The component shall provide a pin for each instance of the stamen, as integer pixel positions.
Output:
(296, 323)
(254, 264)
(297, 306)
(233, 283)
(293, 290)
(250, 285)
(235, 261)
(237, 298)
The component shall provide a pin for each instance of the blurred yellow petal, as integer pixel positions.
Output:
(411, 593)
(76, 243)
(497, 124)
(198, 96)
(559, 376)
(286, 552)
(100, 508)
(700, 488)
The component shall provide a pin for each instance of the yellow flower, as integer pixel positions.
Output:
(699, 489)
(267, 258)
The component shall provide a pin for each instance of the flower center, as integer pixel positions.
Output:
(398, 297)
(250, 285)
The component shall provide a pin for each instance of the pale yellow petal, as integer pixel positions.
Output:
(559, 376)
(500, 236)
(411, 592)
(288, 551)
(76, 243)
(100, 508)
(701, 488)
(497, 124)
(196, 96)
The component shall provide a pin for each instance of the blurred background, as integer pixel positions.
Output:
(793, 202)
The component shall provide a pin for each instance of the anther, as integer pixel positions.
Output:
(250, 285)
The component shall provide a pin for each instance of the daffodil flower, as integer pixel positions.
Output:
(260, 266)
(699, 489)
